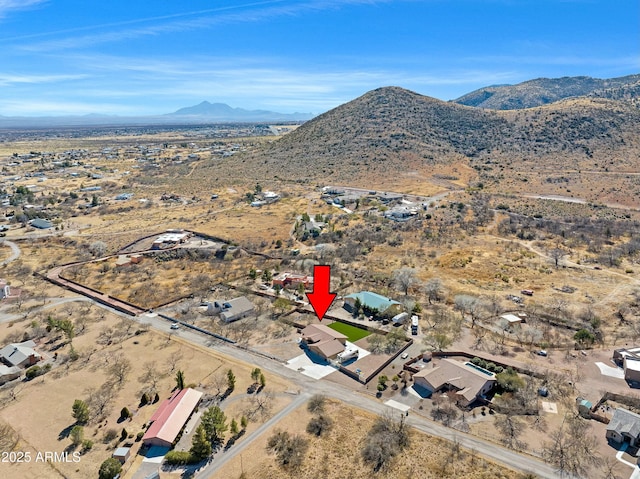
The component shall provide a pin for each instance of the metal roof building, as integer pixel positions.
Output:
(170, 418)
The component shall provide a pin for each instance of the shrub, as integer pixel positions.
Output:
(319, 425)
(290, 450)
(179, 458)
(109, 469)
(33, 372)
(125, 413)
(87, 444)
(316, 403)
(110, 435)
(139, 436)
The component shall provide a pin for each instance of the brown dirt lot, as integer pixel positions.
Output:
(336, 455)
(39, 427)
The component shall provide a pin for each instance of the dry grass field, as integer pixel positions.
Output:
(336, 454)
(40, 411)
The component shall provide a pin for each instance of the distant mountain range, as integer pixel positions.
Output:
(223, 112)
(202, 113)
(529, 94)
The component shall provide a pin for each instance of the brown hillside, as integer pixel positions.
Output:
(541, 91)
(392, 133)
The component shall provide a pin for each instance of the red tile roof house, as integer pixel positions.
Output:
(293, 280)
(170, 418)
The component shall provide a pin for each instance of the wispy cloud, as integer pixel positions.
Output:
(7, 79)
(180, 22)
(7, 6)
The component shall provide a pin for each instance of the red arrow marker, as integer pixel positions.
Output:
(321, 298)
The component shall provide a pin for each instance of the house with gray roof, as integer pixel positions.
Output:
(19, 354)
(624, 427)
(231, 310)
(8, 373)
(41, 224)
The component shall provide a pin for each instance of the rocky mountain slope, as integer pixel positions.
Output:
(543, 91)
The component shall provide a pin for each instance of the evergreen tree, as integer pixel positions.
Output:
(200, 445)
(80, 411)
(231, 380)
(180, 380)
(214, 422)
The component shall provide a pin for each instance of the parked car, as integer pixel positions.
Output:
(404, 356)
(175, 326)
(542, 352)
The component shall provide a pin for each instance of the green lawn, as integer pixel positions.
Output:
(351, 332)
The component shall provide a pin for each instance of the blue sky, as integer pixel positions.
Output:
(151, 57)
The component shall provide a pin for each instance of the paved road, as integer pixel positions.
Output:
(15, 252)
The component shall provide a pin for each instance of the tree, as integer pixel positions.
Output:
(231, 380)
(95, 201)
(244, 422)
(316, 403)
(469, 305)
(214, 422)
(80, 411)
(319, 425)
(8, 437)
(98, 248)
(433, 289)
(509, 380)
(125, 413)
(386, 438)
(572, 447)
(76, 435)
(233, 427)
(290, 450)
(438, 340)
(511, 428)
(394, 339)
(584, 338)
(266, 276)
(180, 380)
(263, 381)
(404, 279)
(255, 374)
(557, 254)
(120, 369)
(99, 400)
(109, 469)
(200, 444)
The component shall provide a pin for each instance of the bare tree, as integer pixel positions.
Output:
(259, 405)
(120, 369)
(404, 279)
(557, 254)
(173, 360)
(469, 305)
(98, 248)
(511, 428)
(572, 448)
(99, 400)
(151, 376)
(433, 289)
(8, 437)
